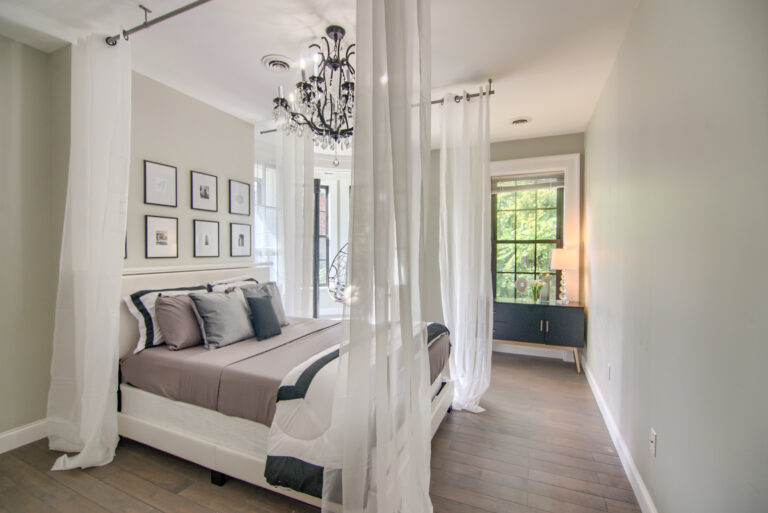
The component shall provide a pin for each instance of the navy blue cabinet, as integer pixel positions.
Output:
(548, 324)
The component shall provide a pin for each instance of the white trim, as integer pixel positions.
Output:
(132, 271)
(633, 474)
(23, 435)
(570, 165)
(559, 354)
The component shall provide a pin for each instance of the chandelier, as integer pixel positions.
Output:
(324, 101)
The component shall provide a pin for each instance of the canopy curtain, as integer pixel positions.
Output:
(381, 416)
(82, 400)
(295, 239)
(465, 245)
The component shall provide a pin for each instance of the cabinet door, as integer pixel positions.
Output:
(566, 326)
(520, 322)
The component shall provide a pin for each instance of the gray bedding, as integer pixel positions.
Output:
(242, 379)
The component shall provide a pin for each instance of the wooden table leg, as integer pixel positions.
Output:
(576, 357)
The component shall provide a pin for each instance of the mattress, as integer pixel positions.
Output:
(242, 380)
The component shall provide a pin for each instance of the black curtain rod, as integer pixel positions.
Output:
(112, 40)
(441, 101)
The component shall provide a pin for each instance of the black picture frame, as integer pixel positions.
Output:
(149, 166)
(233, 237)
(248, 195)
(195, 249)
(148, 245)
(193, 196)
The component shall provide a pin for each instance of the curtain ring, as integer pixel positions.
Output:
(457, 99)
(468, 97)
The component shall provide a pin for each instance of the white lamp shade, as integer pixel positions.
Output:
(563, 259)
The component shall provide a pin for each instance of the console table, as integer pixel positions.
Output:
(547, 325)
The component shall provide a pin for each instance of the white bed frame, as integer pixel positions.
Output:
(228, 446)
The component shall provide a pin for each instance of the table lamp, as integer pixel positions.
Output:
(563, 260)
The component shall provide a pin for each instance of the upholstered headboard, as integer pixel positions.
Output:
(129, 329)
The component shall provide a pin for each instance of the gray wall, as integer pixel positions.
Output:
(34, 145)
(675, 231)
(175, 129)
(537, 147)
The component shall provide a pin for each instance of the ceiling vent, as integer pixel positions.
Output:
(520, 121)
(276, 63)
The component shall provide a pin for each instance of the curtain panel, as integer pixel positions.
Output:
(465, 245)
(82, 400)
(381, 415)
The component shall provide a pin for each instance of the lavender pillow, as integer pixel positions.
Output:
(177, 322)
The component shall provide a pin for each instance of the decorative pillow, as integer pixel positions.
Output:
(141, 304)
(177, 321)
(224, 318)
(268, 289)
(263, 317)
(238, 281)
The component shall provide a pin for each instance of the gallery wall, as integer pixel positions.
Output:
(34, 152)
(171, 128)
(675, 205)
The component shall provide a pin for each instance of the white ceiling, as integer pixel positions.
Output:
(549, 59)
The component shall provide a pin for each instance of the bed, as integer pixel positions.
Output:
(214, 408)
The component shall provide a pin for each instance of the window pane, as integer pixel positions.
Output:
(525, 257)
(270, 187)
(505, 225)
(505, 285)
(526, 199)
(546, 224)
(322, 223)
(505, 257)
(526, 225)
(505, 201)
(546, 198)
(543, 256)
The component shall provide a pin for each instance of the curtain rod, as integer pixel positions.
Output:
(441, 101)
(112, 40)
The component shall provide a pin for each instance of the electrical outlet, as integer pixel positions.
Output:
(652, 441)
(609, 372)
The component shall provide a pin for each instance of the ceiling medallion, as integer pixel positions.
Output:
(324, 101)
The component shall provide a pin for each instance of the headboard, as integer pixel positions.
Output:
(129, 329)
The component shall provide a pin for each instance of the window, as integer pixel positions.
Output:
(527, 218)
(322, 269)
(265, 213)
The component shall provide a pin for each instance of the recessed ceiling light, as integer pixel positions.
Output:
(520, 121)
(276, 63)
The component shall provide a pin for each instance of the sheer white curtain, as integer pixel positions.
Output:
(381, 418)
(295, 241)
(82, 400)
(465, 245)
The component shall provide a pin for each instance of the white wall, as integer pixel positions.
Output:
(34, 149)
(175, 129)
(676, 185)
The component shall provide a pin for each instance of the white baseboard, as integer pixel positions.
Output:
(560, 354)
(644, 498)
(23, 435)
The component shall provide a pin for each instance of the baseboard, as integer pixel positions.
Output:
(560, 354)
(23, 435)
(644, 498)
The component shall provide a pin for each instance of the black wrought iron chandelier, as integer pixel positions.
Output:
(323, 102)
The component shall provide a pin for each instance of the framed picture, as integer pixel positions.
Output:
(205, 191)
(239, 239)
(206, 238)
(159, 184)
(239, 198)
(162, 237)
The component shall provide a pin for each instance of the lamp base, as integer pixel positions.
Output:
(563, 299)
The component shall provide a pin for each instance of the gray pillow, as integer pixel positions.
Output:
(268, 289)
(177, 321)
(224, 318)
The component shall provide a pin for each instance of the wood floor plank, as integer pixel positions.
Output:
(106, 496)
(46, 489)
(17, 500)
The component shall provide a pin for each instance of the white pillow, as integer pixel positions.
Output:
(224, 285)
(141, 304)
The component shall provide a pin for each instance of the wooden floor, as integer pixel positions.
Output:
(540, 446)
